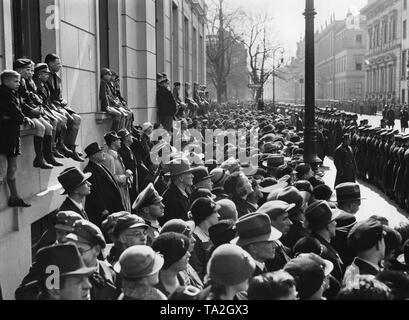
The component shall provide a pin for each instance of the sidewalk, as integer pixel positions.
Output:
(374, 202)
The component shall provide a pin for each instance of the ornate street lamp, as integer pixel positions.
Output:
(310, 133)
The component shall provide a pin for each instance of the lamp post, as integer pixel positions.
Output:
(274, 73)
(310, 133)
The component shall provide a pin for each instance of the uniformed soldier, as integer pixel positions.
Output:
(345, 162)
(149, 206)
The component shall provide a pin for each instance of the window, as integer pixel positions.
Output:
(405, 4)
(26, 29)
(103, 34)
(404, 29)
(186, 50)
(403, 64)
(359, 39)
(358, 66)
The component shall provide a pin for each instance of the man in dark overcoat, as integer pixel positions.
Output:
(345, 162)
(166, 104)
(105, 197)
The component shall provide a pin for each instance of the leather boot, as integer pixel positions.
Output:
(39, 161)
(61, 145)
(54, 150)
(75, 156)
(48, 155)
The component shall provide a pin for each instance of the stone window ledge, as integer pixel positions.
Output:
(102, 117)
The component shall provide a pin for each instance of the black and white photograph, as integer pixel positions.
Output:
(211, 151)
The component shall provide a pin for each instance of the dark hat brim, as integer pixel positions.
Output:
(269, 237)
(86, 177)
(80, 272)
(87, 156)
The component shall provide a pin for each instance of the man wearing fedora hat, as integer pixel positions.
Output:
(257, 237)
(113, 161)
(72, 274)
(105, 197)
(278, 213)
(166, 104)
(77, 187)
(176, 197)
(349, 201)
(321, 221)
(63, 225)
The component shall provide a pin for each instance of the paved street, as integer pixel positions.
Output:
(375, 202)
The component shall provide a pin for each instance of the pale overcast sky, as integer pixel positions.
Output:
(289, 19)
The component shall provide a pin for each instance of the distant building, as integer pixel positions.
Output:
(350, 49)
(340, 51)
(384, 68)
(405, 54)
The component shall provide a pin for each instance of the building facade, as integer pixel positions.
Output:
(350, 49)
(137, 39)
(325, 60)
(384, 68)
(405, 54)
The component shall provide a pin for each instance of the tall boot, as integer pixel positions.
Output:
(39, 161)
(54, 145)
(71, 138)
(75, 156)
(15, 200)
(47, 151)
(61, 144)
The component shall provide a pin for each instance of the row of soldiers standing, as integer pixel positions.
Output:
(381, 155)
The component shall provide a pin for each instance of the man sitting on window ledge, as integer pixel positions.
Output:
(73, 119)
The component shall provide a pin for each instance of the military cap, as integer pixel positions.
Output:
(22, 63)
(365, 234)
(87, 232)
(65, 220)
(147, 197)
(128, 222)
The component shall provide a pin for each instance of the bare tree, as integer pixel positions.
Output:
(220, 43)
(256, 34)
